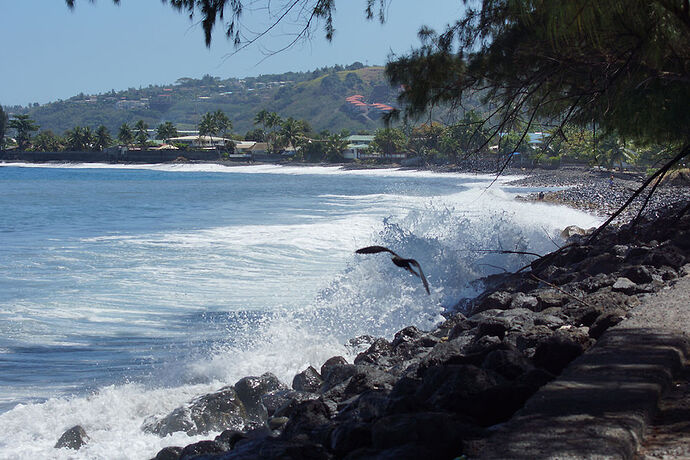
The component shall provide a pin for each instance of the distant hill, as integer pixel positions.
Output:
(334, 98)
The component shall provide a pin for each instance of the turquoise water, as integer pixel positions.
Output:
(136, 288)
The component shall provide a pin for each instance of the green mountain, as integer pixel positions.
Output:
(335, 98)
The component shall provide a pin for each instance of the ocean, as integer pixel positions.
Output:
(127, 290)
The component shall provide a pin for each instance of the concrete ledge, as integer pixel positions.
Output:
(601, 405)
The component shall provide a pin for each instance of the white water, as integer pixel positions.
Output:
(297, 271)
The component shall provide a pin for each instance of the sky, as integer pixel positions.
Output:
(50, 52)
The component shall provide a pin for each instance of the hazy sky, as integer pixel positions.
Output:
(50, 52)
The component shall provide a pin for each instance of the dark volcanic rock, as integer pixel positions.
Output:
(379, 352)
(334, 361)
(495, 301)
(212, 412)
(350, 436)
(168, 453)
(73, 438)
(439, 434)
(276, 400)
(309, 417)
(283, 449)
(508, 363)
(369, 378)
(228, 438)
(307, 380)
(639, 274)
(336, 375)
(200, 448)
(250, 390)
(456, 388)
(625, 286)
(605, 321)
(557, 352)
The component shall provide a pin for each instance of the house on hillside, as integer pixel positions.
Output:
(357, 146)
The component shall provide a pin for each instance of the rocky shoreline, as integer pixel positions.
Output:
(433, 393)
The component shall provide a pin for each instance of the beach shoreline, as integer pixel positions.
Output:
(433, 392)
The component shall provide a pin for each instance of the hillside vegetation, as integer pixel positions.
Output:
(319, 97)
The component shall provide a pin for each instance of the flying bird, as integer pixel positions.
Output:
(401, 262)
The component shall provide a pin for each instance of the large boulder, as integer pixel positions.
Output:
(336, 374)
(456, 388)
(431, 434)
(508, 363)
(168, 453)
(380, 352)
(200, 448)
(250, 391)
(350, 436)
(556, 352)
(499, 300)
(311, 418)
(73, 438)
(212, 412)
(307, 380)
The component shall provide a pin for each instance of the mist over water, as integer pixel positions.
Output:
(126, 291)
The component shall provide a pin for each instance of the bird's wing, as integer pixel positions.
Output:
(374, 250)
(421, 274)
(399, 261)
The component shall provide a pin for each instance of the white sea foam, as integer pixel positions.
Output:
(264, 169)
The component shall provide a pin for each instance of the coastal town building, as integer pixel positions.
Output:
(202, 142)
(357, 147)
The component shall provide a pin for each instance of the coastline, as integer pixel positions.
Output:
(503, 345)
(438, 393)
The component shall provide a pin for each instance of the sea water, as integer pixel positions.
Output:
(125, 291)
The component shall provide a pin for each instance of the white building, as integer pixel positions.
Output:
(204, 142)
(357, 146)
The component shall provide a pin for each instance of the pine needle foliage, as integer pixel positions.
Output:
(622, 64)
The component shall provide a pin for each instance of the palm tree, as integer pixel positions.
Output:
(222, 123)
(165, 131)
(102, 138)
(24, 126)
(79, 139)
(334, 147)
(125, 134)
(261, 117)
(291, 131)
(141, 134)
(47, 141)
(206, 126)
